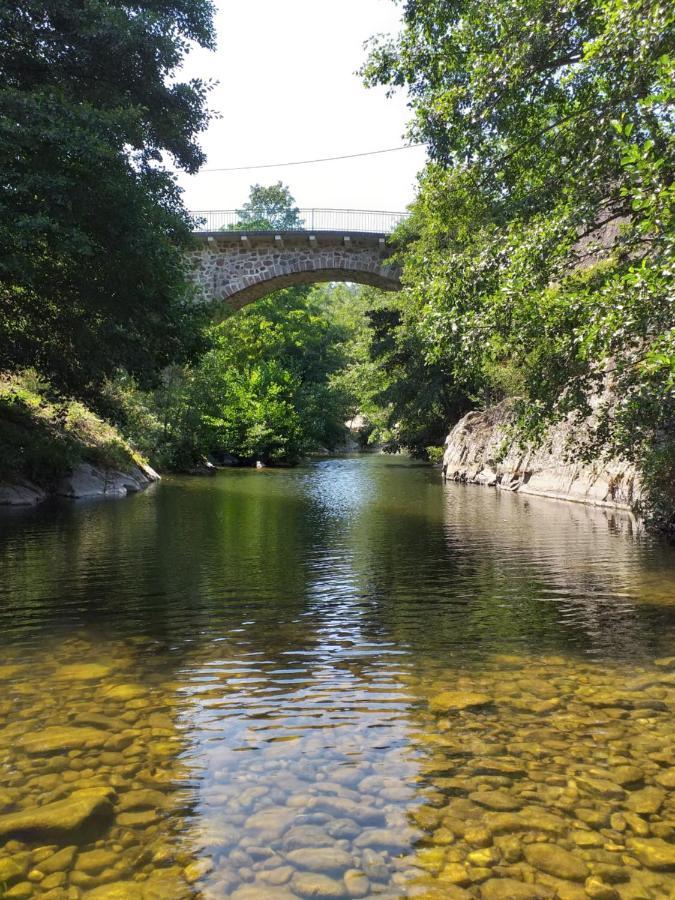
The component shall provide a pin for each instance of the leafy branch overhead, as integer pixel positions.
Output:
(92, 224)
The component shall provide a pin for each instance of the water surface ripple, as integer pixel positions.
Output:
(343, 680)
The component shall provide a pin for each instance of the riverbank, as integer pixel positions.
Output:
(481, 449)
(51, 446)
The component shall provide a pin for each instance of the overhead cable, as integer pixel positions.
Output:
(309, 162)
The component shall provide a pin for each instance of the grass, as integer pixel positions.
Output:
(44, 437)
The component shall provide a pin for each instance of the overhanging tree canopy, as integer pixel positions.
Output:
(91, 221)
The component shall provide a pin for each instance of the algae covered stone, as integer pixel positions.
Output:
(556, 861)
(55, 821)
(456, 701)
(83, 672)
(61, 738)
(653, 853)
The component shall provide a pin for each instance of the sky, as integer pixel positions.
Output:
(287, 90)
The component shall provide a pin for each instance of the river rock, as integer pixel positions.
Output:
(647, 801)
(501, 801)
(272, 822)
(596, 889)
(654, 853)
(456, 701)
(301, 836)
(511, 889)
(393, 840)
(95, 861)
(313, 884)
(11, 870)
(56, 821)
(119, 890)
(60, 739)
(142, 799)
(61, 861)
(320, 859)
(556, 861)
(83, 672)
(357, 884)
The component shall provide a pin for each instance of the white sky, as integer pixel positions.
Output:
(288, 91)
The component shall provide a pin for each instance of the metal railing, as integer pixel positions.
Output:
(355, 220)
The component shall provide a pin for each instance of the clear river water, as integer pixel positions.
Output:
(342, 680)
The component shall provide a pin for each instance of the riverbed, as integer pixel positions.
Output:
(341, 680)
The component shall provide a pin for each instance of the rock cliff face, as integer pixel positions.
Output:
(85, 482)
(479, 450)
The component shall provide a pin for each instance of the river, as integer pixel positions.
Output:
(341, 680)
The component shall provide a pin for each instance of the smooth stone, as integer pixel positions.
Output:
(386, 839)
(601, 787)
(647, 801)
(83, 672)
(119, 890)
(22, 891)
(625, 775)
(666, 779)
(301, 836)
(197, 869)
(312, 884)
(56, 820)
(500, 801)
(373, 865)
(165, 886)
(456, 701)
(139, 819)
(58, 862)
(95, 861)
(455, 873)
(61, 738)
(11, 871)
(654, 853)
(273, 821)
(596, 889)
(320, 859)
(356, 883)
(555, 861)
(262, 892)
(124, 692)
(142, 799)
(511, 889)
(280, 875)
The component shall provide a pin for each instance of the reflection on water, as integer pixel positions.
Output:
(338, 681)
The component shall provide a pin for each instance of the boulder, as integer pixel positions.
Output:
(555, 861)
(55, 822)
(456, 701)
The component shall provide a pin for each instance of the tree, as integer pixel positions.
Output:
(538, 259)
(92, 225)
(270, 208)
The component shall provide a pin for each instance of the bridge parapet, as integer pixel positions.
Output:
(362, 221)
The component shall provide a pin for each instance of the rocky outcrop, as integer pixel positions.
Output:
(481, 450)
(84, 483)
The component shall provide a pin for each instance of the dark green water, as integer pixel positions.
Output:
(332, 682)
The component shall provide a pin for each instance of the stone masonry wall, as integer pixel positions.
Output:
(229, 268)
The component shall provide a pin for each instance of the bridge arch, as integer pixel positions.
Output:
(237, 268)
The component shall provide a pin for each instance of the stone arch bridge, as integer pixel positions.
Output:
(237, 267)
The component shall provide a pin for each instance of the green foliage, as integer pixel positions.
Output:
(92, 227)
(264, 391)
(538, 261)
(270, 208)
(44, 436)
(435, 454)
